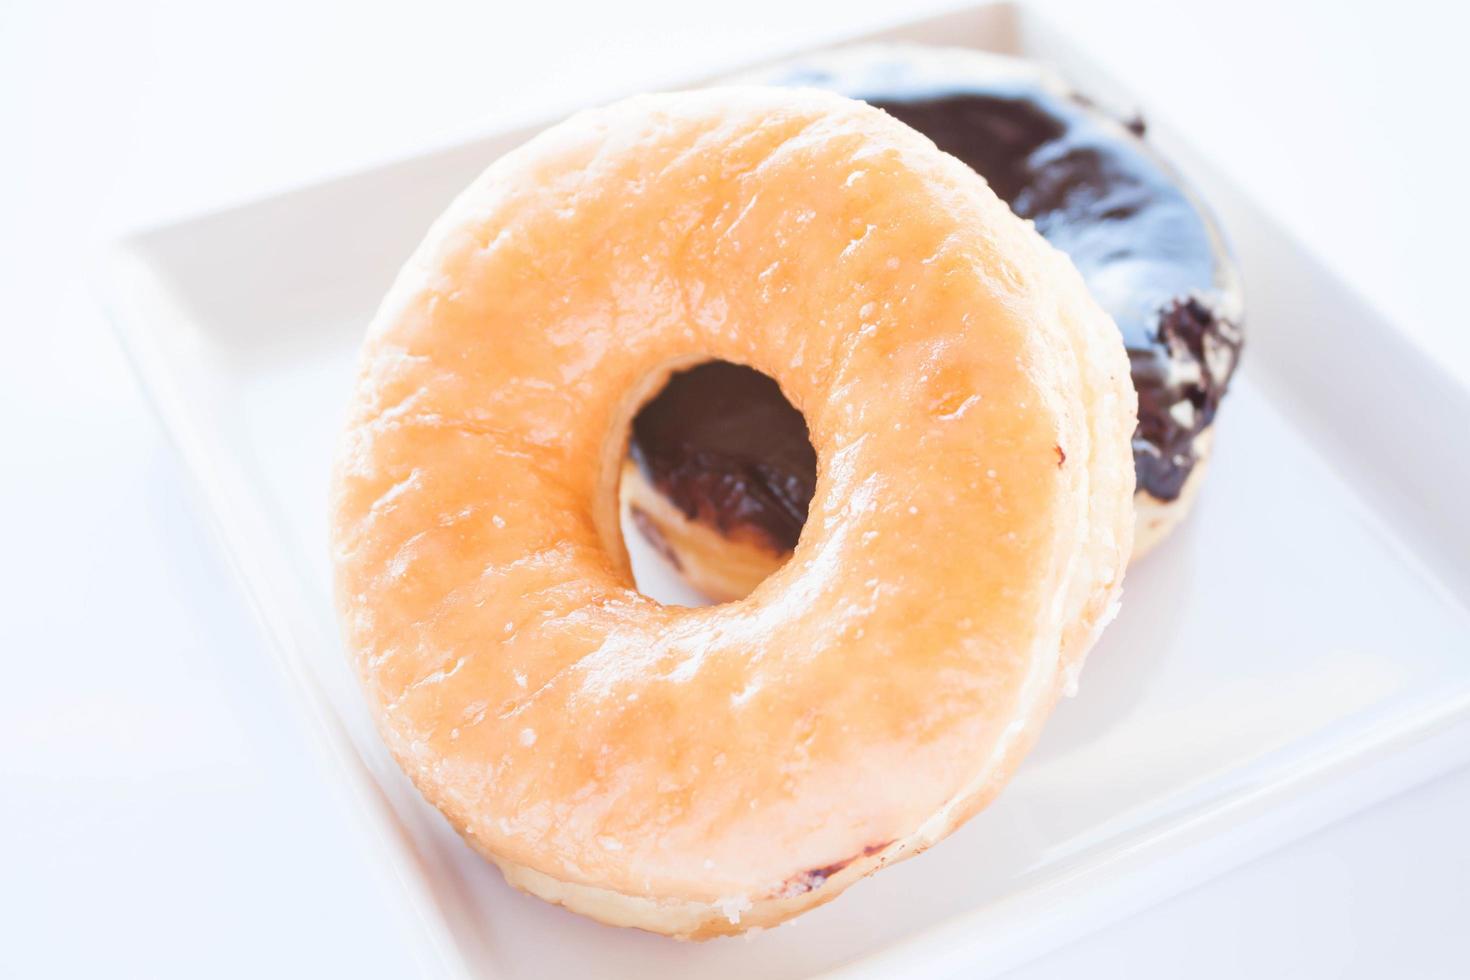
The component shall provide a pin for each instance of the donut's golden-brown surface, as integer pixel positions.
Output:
(697, 771)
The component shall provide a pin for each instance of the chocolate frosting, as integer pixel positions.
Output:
(718, 444)
(727, 448)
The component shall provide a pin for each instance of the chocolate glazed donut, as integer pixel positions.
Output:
(721, 471)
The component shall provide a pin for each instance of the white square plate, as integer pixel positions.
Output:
(1299, 649)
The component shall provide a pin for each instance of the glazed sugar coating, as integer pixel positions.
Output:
(697, 771)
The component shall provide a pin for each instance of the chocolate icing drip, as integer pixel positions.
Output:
(1172, 411)
(726, 447)
(730, 451)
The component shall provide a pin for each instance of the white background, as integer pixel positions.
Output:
(158, 812)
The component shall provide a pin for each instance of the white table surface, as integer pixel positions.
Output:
(159, 815)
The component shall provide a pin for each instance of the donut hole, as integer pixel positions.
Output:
(717, 484)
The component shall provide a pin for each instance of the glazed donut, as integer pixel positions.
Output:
(713, 484)
(702, 771)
